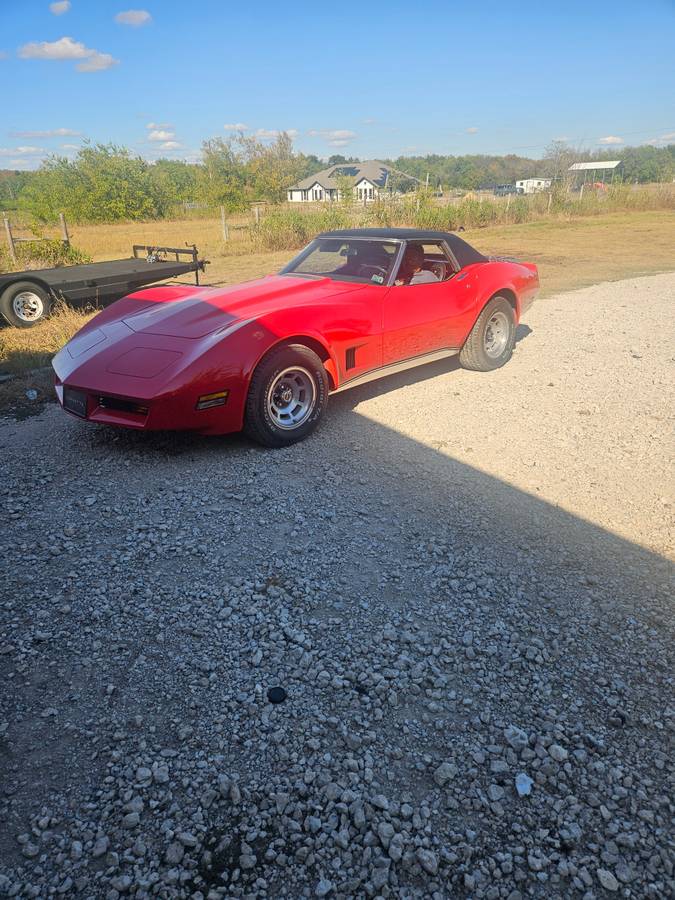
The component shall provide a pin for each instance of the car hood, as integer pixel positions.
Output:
(206, 310)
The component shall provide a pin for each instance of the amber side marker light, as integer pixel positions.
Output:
(206, 401)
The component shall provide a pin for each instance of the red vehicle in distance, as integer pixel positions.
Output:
(264, 356)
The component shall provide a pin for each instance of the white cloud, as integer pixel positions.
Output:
(70, 146)
(20, 151)
(170, 145)
(133, 17)
(152, 126)
(369, 121)
(161, 135)
(610, 139)
(237, 126)
(67, 48)
(53, 132)
(59, 8)
(266, 134)
(472, 130)
(668, 138)
(336, 137)
(97, 62)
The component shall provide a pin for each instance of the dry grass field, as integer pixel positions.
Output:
(570, 254)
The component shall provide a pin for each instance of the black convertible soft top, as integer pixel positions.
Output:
(465, 254)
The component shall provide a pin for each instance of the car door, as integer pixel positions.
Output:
(353, 328)
(423, 318)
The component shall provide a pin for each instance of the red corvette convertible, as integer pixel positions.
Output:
(264, 356)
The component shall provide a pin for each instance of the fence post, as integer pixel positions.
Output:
(226, 230)
(256, 213)
(64, 230)
(10, 239)
(581, 192)
(550, 200)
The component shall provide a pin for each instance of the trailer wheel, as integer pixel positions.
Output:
(24, 303)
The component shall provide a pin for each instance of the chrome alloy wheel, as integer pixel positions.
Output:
(28, 306)
(291, 398)
(496, 334)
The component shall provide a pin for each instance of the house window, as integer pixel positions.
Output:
(370, 193)
(360, 193)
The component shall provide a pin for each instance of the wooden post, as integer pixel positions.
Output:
(10, 239)
(550, 200)
(256, 213)
(64, 230)
(581, 192)
(226, 230)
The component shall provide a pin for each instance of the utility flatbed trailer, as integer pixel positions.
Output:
(26, 297)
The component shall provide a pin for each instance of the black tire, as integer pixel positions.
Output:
(492, 339)
(287, 396)
(25, 303)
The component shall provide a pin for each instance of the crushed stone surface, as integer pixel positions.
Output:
(462, 583)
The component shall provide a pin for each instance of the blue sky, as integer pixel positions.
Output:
(371, 79)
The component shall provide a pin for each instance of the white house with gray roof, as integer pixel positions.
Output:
(368, 179)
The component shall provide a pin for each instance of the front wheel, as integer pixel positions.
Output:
(287, 396)
(24, 303)
(491, 340)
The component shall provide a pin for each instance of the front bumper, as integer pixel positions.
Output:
(174, 412)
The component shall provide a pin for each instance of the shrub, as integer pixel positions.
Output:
(290, 229)
(42, 254)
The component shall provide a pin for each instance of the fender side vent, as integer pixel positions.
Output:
(350, 358)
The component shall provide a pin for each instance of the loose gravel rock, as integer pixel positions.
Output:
(477, 682)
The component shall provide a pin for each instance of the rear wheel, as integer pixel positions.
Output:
(287, 396)
(24, 303)
(491, 341)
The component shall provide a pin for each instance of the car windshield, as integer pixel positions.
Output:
(345, 259)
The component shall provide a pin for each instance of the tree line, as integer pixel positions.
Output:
(107, 183)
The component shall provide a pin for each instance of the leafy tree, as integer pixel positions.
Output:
(221, 179)
(270, 168)
(104, 183)
(345, 190)
(175, 179)
(11, 185)
(644, 164)
(337, 159)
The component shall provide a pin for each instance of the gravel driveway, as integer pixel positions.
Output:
(461, 583)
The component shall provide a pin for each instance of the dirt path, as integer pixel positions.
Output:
(462, 583)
